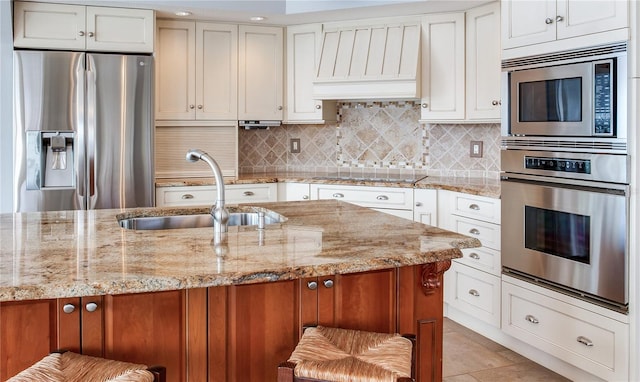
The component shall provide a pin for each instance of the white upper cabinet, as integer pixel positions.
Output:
(528, 22)
(303, 50)
(483, 63)
(196, 71)
(261, 71)
(73, 27)
(443, 67)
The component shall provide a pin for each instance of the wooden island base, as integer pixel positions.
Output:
(229, 333)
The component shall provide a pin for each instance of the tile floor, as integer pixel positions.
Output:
(470, 357)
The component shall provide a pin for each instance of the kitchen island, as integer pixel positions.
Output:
(226, 312)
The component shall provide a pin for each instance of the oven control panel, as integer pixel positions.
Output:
(580, 166)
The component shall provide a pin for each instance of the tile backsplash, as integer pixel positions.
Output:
(381, 137)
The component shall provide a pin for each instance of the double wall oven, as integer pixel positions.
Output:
(565, 173)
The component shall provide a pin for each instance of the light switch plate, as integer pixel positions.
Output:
(294, 145)
(475, 149)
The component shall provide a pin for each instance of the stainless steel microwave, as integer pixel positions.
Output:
(568, 99)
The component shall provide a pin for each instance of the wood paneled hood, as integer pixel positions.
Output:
(369, 59)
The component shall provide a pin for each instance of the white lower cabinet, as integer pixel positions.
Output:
(396, 201)
(475, 292)
(425, 208)
(589, 337)
(288, 192)
(206, 195)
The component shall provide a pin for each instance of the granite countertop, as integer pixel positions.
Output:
(85, 253)
(474, 186)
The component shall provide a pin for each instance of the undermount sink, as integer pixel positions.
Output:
(197, 220)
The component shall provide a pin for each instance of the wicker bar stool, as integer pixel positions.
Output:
(344, 355)
(73, 367)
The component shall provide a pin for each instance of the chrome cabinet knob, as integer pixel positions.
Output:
(248, 193)
(187, 196)
(91, 307)
(474, 256)
(68, 308)
(200, 107)
(318, 107)
(305, 197)
(338, 195)
(496, 102)
(548, 21)
(425, 105)
(192, 107)
(279, 107)
(474, 293)
(531, 319)
(91, 34)
(312, 285)
(474, 231)
(328, 283)
(559, 19)
(81, 33)
(418, 204)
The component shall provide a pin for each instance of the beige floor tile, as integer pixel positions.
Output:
(463, 355)
(521, 372)
(460, 378)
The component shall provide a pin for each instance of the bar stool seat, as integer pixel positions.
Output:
(337, 355)
(73, 367)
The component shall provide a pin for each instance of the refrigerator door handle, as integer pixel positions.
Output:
(80, 144)
(91, 127)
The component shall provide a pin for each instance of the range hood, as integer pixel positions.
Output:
(369, 59)
(262, 124)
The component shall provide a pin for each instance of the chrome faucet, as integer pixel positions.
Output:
(218, 211)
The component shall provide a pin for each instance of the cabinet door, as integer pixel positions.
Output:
(252, 328)
(52, 26)
(303, 50)
(216, 71)
(120, 29)
(175, 70)
(147, 328)
(527, 22)
(288, 192)
(363, 301)
(260, 75)
(577, 18)
(426, 206)
(443, 82)
(29, 330)
(483, 62)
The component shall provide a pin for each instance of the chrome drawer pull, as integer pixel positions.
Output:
(474, 231)
(531, 319)
(312, 285)
(585, 341)
(474, 207)
(91, 307)
(248, 193)
(187, 196)
(328, 283)
(338, 195)
(474, 293)
(68, 308)
(474, 256)
(382, 197)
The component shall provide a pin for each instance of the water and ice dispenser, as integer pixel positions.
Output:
(50, 160)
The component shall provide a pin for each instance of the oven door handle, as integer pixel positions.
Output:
(613, 188)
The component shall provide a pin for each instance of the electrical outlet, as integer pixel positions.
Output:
(294, 145)
(475, 149)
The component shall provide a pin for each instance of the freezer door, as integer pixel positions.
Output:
(120, 131)
(48, 103)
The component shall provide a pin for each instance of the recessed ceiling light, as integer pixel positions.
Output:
(257, 18)
(183, 13)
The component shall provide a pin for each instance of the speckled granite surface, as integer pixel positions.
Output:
(475, 186)
(83, 253)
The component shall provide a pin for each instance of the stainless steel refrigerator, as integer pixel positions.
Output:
(83, 131)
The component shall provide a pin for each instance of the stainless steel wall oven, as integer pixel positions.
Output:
(565, 199)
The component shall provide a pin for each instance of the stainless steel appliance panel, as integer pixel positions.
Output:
(120, 137)
(48, 97)
(576, 236)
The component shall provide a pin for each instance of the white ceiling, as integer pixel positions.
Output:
(287, 12)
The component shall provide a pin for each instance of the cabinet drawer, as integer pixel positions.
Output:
(483, 258)
(487, 233)
(251, 193)
(185, 196)
(476, 207)
(588, 340)
(377, 197)
(474, 292)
